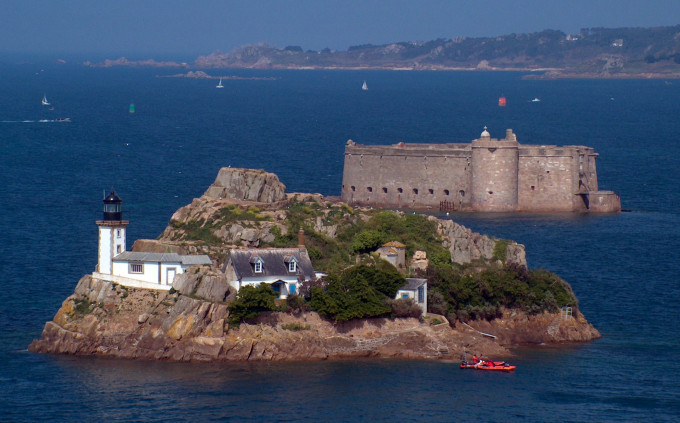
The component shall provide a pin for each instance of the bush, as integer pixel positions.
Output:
(250, 302)
(405, 307)
(295, 327)
(296, 303)
(349, 296)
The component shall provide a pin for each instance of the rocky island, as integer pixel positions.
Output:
(481, 298)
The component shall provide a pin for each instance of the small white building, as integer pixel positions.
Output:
(130, 268)
(415, 289)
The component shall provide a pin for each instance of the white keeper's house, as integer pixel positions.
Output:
(282, 268)
(131, 268)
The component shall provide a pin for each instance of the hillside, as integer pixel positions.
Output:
(593, 52)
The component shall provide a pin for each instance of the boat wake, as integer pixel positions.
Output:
(37, 121)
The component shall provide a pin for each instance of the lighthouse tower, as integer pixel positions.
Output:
(111, 233)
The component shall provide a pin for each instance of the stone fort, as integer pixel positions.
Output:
(486, 175)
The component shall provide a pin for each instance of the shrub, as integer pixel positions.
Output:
(296, 303)
(82, 306)
(250, 302)
(349, 296)
(405, 307)
(295, 326)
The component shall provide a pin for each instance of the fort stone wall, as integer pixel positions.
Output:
(485, 175)
(406, 175)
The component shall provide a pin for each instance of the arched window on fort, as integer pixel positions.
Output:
(431, 191)
(385, 190)
(462, 193)
(400, 190)
(354, 188)
(415, 191)
(369, 189)
(446, 192)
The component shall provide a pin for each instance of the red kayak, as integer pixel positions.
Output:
(488, 365)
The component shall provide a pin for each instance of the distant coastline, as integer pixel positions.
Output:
(595, 53)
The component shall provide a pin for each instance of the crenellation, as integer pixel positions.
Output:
(488, 174)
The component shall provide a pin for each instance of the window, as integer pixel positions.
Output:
(404, 295)
(292, 266)
(258, 267)
(277, 288)
(400, 190)
(446, 192)
(462, 193)
(369, 189)
(533, 187)
(415, 191)
(117, 233)
(136, 268)
(354, 188)
(385, 190)
(421, 294)
(431, 191)
(119, 248)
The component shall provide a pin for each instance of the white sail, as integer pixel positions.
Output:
(44, 100)
(364, 87)
(220, 84)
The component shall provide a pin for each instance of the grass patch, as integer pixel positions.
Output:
(295, 327)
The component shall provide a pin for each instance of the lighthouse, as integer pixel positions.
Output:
(111, 233)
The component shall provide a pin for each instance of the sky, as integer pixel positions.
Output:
(163, 29)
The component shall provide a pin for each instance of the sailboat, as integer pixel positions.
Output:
(44, 101)
(220, 84)
(364, 87)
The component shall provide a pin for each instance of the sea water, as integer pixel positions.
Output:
(624, 267)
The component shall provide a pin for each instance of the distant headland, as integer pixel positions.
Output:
(590, 53)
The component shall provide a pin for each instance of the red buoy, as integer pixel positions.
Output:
(502, 101)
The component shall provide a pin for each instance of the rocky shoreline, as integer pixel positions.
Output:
(190, 322)
(180, 326)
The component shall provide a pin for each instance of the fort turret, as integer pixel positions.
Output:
(494, 172)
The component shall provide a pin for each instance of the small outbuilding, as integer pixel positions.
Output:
(415, 289)
(394, 252)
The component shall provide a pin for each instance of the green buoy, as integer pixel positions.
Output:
(132, 108)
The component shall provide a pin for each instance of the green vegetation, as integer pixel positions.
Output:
(295, 327)
(361, 291)
(361, 285)
(204, 230)
(82, 306)
(250, 302)
(468, 296)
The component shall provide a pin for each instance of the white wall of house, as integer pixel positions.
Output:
(289, 286)
(415, 296)
(152, 272)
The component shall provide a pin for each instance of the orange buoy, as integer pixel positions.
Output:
(502, 101)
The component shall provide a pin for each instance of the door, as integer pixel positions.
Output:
(170, 275)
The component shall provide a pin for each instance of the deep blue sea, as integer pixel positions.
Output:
(624, 268)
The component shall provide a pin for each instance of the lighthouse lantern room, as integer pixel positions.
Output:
(111, 232)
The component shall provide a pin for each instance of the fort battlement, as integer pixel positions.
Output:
(487, 174)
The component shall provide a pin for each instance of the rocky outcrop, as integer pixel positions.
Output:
(248, 185)
(515, 328)
(104, 319)
(466, 246)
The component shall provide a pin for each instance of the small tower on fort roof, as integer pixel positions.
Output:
(485, 134)
(111, 232)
